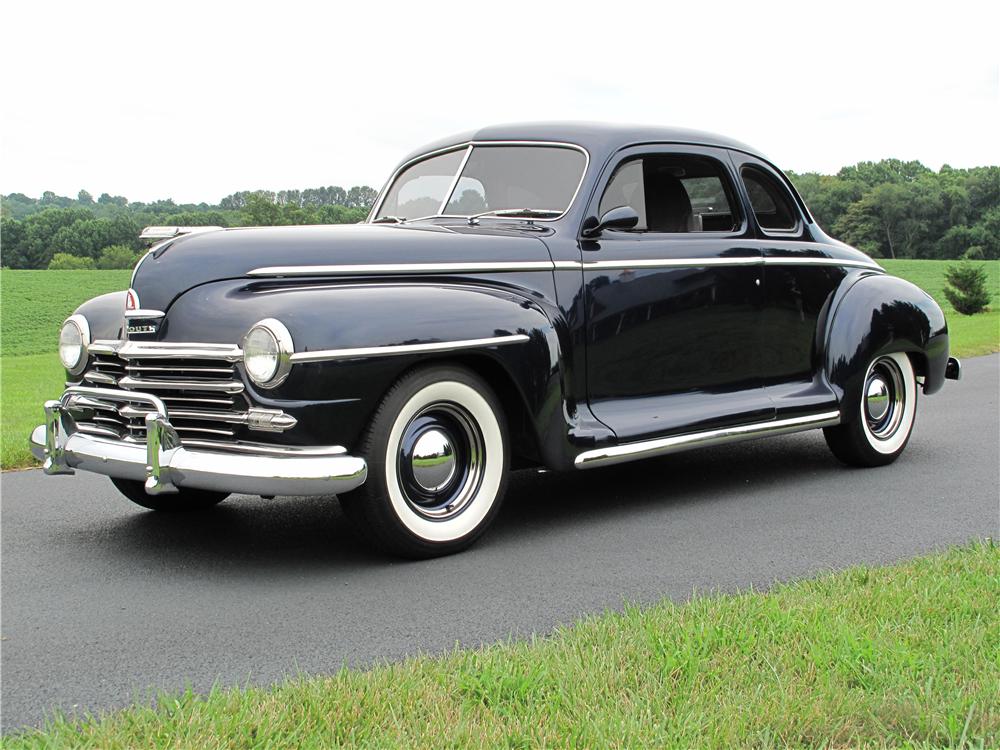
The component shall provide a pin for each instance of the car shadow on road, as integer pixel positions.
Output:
(305, 535)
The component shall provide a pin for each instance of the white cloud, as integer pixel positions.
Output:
(196, 100)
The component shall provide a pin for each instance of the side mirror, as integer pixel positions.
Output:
(622, 217)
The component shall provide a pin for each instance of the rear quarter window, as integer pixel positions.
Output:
(772, 204)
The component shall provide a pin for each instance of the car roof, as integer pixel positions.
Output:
(598, 138)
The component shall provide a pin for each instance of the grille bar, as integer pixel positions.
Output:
(197, 383)
(206, 386)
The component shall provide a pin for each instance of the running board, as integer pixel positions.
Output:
(618, 454)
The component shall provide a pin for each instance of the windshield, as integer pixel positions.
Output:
(501, 179)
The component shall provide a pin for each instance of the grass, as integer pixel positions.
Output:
(970, 335)
(34, 303)
(901, 656)
(28, 382)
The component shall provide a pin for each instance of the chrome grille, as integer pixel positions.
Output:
(204, 397)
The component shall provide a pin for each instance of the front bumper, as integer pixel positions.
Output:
(164, 464)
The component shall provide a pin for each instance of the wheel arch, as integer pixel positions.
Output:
(880, 314)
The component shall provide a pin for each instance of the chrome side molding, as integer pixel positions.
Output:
(326, 355)
(621, 264)
(617, 454)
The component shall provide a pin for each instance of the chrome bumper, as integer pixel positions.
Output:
(164, 464)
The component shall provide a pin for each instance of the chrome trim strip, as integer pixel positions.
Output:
(617, 454)
(704, 262)
(456, 147)
(140, 313)
(263, 449)
(166, 350)
(326, 355)
(545, 265)
(455, 179)
(404, 268)
(773, 260)
(669, 263)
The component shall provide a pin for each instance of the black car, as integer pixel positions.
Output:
(558, 295)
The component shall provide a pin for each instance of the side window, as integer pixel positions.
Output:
(771, 203)
(673, 193)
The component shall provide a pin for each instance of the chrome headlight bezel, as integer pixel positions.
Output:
(283, 346)
(82, 327)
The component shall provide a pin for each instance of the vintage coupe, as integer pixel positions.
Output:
(558, 295)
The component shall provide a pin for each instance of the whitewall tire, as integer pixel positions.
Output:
(878, 431)
(437, 457)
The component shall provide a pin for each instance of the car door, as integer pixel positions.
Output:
(798, 284)
(673, 306)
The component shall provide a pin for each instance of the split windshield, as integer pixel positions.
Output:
(538, 180)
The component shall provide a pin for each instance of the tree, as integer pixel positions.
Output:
(873, 223)
(67, 262)
(360, 196)
(892, 171)
(116, 256)
(967, 289)
(84, 198)
(260, 210)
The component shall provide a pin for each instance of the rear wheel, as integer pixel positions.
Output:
(184, 500)
(878, 432)
(437, 464)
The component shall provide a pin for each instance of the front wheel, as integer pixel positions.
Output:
(184, 500)
(437, 464)
(877, 434)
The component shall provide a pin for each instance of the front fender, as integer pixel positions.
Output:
(877, 315)
(105, 315)
(333, 398)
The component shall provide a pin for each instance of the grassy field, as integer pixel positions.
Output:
(970, 335)
(34, 303)
(901, 656)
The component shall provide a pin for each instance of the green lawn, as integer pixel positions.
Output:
(34, 303)
(901, 656)
(970, 335)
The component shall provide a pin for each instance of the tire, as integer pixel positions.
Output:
(870, 437)
(437, 453)
(184, 500)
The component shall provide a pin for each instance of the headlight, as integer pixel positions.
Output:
(267, 349)
(74, 337)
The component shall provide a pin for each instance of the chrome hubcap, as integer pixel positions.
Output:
(433, 460)
(885, 398)
(877, 398)
(441, 461)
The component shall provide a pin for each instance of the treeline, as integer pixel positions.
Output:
(902, 209)
(60, 232)
(889, 209)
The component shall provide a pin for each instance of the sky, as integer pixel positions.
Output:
(194, 101)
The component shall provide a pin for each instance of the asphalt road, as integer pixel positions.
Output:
(102, 602)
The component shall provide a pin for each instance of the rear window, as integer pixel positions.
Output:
(771, 202)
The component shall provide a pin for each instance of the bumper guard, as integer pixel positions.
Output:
(165, 464)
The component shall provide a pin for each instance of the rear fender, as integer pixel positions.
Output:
(879, 314)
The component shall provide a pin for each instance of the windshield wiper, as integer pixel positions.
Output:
(531, 213)
(389, 220)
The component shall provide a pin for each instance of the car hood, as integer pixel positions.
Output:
(177, 266)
